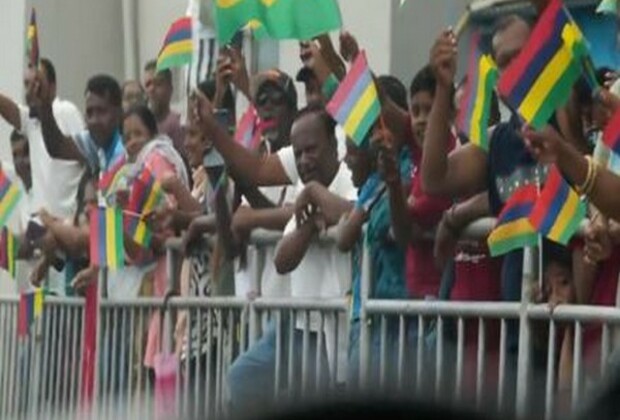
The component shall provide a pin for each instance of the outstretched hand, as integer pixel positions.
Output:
(231, 68)
(349, 47)
(38, 90)
(443, 58)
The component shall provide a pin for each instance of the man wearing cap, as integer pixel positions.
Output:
(277, 168)
(275, 98)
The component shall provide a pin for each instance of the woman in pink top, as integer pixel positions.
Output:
(148, 151)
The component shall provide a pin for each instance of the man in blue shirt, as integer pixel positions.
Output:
(101, 144)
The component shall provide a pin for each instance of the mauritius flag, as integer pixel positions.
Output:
(540, 78)
(8, 251)
(32, 41)
(513, 229)
(475, 106)
(146, 193)
(177, 49)
(30, 308)
(559, 210)
(355, 104)
(279, 19)
(106, 237)
(137, 229)
(9, 197)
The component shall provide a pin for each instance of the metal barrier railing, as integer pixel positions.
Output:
(469, 357)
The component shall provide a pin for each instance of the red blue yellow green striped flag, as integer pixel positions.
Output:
(138, 230)
(9, 197)
(475, 106)
(355, 104)
(32, 41)
(540, 79)
(514, 229)
(8, 251)
(279, 19)
(146, 193)
(178, 48)
(106, 238)
(30, 308)
(559, 210)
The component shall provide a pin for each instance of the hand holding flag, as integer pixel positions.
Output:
(356, 103)
(177, 49)
(32, 41)
(10, 195)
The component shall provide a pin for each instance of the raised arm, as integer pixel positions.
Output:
(57, 144)
(602, 187)
(244, 164)
(10, 112)
(462, 172)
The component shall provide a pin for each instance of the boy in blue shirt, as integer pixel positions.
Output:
(369, 224)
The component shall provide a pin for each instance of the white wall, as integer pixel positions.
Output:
(82, 38)
(12, 34)
(415, 27)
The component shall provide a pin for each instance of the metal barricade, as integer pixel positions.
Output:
(41, 372)
(455, 351)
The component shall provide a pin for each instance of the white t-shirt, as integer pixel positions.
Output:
(287, 156)
(54, 182)
(325, 272)
(271, 283)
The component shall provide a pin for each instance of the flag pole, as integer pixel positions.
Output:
(462, 23)
(540, 243)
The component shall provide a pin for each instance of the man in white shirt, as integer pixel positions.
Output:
(316, 270)
(54, 182)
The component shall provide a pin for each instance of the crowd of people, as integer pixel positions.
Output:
(405, 194)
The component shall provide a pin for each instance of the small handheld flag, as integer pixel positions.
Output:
(106, 238)
(559, 210)
(475, 106)
(138, 229)
(8, 251)
(30, 308)
(177, 49)
(355, 104)
(32, 41)
(611, 135)
(540, 78)
(513, 229)
(9, 197)
(146, 193)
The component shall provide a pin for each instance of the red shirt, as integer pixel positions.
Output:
(423, 278)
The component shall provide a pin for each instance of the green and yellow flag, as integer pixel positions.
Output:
(279, 19)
